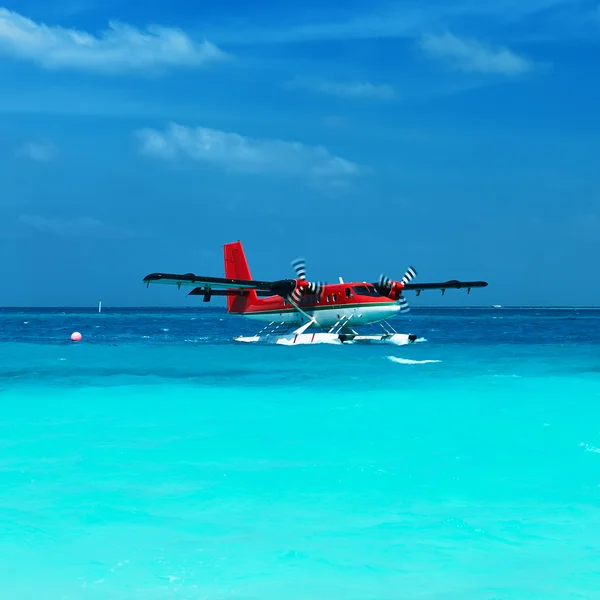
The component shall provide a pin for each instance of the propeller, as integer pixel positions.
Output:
(387, 287)
(303, 286)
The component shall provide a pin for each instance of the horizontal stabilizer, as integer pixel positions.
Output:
(201, 291)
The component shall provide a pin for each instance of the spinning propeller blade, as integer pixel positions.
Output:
(385, 286)
(315, 288)
(409, 275)
(404, 307)
(299, 266)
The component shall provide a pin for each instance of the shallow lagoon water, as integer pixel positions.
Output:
(160, 459)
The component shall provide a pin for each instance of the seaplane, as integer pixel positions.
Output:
(299, 311)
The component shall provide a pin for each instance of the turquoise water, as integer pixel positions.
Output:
(159, 459)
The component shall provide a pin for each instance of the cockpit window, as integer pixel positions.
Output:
(364, 290)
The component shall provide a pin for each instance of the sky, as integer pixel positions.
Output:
(459, 136)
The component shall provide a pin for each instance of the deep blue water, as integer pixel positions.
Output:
(157, 458)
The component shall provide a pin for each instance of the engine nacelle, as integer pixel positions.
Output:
(396, 290)
(390, 289)
(292, 288)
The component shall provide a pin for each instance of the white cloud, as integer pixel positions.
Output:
(361, 89)
(397, 19)
(38, 151)
(235, 152)
(121, 48)
(349, 89)
(77, 227)
(473, 56)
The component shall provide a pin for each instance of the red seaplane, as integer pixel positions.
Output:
(331, 311)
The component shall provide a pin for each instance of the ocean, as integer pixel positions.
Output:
(157, 458)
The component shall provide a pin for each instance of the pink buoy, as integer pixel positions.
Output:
(76, 336)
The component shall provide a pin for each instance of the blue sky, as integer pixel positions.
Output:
(457, 136)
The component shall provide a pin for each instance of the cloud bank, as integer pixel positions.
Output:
(121, 48)
(347, 89)
(359, 89)
(472, 56)
(234, 152)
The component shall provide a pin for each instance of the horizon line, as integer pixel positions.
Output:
(173, 307)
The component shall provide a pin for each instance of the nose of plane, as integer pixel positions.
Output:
(394, 309)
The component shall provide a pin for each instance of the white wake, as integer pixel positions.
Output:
(410, 361)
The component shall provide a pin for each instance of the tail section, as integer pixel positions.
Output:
(236, 267)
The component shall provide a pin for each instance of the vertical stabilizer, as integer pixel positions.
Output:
(236, 267)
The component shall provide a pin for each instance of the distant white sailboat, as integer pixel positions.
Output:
(100, 306)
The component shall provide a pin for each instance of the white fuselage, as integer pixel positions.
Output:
(328, 317)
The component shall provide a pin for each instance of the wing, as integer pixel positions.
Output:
(220, 286)
(452, 284)
(213, 283)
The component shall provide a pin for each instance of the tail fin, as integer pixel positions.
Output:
(236, 267)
